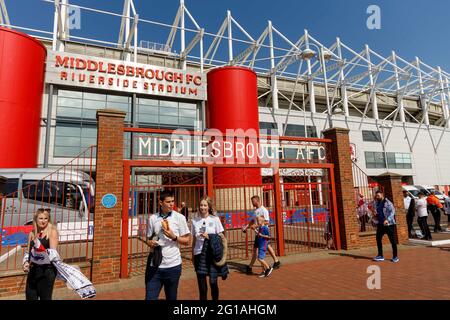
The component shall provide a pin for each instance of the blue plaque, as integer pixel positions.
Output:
(109, 201)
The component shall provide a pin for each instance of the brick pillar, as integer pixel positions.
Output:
(109, 179)
(392, 186)
(339, 154)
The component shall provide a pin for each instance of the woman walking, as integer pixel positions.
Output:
(209, 249)
(36, 262)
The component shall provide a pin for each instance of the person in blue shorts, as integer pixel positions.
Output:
(263, 236)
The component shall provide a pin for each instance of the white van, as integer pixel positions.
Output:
(412, 191)
(69, 194)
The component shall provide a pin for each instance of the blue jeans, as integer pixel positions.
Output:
(167, 277)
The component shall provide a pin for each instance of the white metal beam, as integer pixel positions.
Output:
(131, 35)
(445, 111)
(192, 44)
(4, 17)
(230, 37)
(273, 79)
(216, 41)
(173, 30)
(422, 100)
(342, 79)
(372, 84)
(124, 23)
(399, 97)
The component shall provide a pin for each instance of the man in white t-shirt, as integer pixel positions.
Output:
(260, 211)
(166, 230)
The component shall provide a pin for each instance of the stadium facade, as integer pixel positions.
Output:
(398, 111)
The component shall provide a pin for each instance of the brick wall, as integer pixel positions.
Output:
(351, 238)
(339, 154)
(107, 222)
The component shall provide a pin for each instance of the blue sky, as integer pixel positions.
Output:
(410, 27)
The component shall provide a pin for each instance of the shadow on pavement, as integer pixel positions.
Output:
(354, 256)
(239, 267)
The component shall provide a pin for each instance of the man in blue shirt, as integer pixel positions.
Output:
(385, 220)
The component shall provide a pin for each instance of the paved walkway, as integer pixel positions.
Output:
(422, 273)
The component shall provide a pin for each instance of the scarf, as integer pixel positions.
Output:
(73, 277)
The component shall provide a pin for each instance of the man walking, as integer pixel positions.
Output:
(385, 220)
(260, 211)
(184, 211)
(410, 209)
(166, 230)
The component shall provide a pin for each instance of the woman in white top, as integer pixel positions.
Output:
(203, 224)
(422, 214)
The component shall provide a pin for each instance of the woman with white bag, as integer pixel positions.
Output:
(43, 264)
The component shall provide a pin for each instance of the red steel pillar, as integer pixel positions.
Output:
(233, 104)
(22, 68)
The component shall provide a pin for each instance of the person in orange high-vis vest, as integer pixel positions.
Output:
(435, 206)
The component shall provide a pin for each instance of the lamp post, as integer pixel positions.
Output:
(324, 55)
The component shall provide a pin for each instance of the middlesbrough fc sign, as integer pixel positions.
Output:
(118, 75)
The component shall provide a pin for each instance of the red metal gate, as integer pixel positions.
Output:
(300, 220)
(299, 195)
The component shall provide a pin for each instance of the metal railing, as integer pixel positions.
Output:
(68, 192)
(364, 191)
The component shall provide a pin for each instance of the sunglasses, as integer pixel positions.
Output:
(40, 210)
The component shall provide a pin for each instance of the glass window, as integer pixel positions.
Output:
(165, 103)
(373, 136)
(184, 105)
(70, 93)
(118, 105)
(87, 142)
(94, 96)
(72, 138)
(375, 160)
(67, 141)
(122, 99)
(188, 113)
(11, 187)
(168, 120)
(295, 130)
(268, 125)
(68, 112)
(67, 130)
(268, 128)
(89, 114)
(147, 102)
(67, 151)
(89, 132)
(147, 118)
(69, 102)
(75, 104)
(92, 104)
(168, 112)
(187, 122)
(399, 160)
